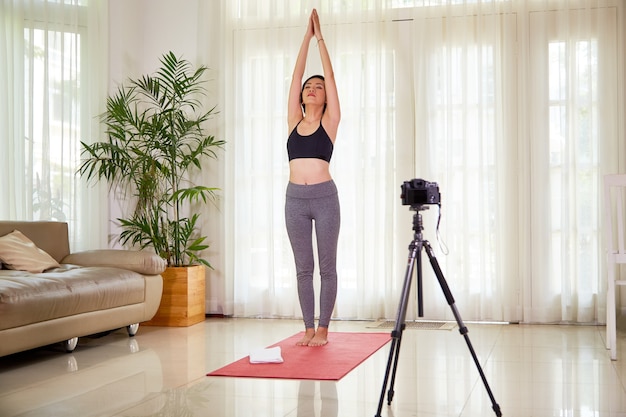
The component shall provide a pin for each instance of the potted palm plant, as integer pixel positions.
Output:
(156, 137)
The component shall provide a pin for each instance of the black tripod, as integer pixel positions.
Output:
(415, 249)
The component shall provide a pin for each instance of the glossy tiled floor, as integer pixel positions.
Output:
(537, 370)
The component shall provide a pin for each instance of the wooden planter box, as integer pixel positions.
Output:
(183, 300)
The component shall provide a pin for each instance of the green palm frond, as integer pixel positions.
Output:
(155, 138)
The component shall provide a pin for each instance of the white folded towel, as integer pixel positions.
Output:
(269, 355)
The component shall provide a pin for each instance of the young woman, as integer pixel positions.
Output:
(311, 197)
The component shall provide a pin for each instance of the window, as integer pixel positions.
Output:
(53, 122)
(53, 94)
(573, 131)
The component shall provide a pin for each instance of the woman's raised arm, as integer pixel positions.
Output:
(332, 116)
(294, 109)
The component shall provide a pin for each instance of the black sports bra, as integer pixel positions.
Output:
(316, 145)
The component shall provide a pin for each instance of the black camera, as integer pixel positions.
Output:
(419, 192)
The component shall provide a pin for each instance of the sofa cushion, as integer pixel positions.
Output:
(27, 298)
(20, 253)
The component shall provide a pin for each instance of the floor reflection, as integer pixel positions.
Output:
(323, 399)
(533, 370)
(48, 382)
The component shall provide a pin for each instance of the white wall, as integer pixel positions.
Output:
(140, 32)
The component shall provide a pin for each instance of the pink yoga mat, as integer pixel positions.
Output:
(342, 353)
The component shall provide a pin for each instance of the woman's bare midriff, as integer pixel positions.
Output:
(307, 171)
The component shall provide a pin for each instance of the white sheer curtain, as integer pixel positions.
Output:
(510, 106)
(465, 72)
(53, 82)
(265, 38)
(573, 130)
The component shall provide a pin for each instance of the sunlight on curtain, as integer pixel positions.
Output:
(265, 40)
(55, 84)
(466, 71)
(573, 144)
(507, 105)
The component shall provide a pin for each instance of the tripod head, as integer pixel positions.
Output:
(418, 207)
(417, 219)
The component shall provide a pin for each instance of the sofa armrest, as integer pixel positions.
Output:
(143, 262)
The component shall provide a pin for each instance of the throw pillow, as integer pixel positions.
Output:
(20, 253)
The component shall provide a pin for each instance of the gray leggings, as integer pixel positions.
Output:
(303, 205)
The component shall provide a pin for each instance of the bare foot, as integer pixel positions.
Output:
(320, 338)
(306, 339)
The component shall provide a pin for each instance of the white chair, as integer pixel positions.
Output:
(614, 204)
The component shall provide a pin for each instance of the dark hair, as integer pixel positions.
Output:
(321, 77)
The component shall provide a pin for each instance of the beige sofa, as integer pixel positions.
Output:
(86, 293)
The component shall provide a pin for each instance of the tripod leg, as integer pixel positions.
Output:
(396, 334)
(420, 297)
(392, 383)
(394, 350)
(462, 329)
